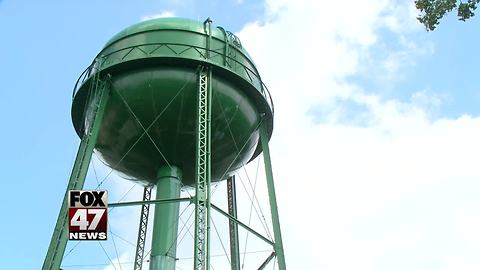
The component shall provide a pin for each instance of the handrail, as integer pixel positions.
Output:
(85, 74)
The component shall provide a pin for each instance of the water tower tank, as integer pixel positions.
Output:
(153, 68)
(173, 102)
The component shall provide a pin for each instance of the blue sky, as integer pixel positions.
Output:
(454, 44)
(365, 96)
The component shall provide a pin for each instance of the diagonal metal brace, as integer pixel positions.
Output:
(246, 227)
(265, 263)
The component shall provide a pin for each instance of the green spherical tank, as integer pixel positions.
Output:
(153, 68)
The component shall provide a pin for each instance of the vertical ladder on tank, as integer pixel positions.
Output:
(203, 177)
(203, 166)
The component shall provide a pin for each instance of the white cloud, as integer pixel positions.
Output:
(163, 14)
(399, 191)
(386, 195)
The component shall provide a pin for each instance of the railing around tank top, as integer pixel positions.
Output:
(100, 61)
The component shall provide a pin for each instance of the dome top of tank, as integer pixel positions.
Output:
(170, 23)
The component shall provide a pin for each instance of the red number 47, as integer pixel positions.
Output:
(80, 218)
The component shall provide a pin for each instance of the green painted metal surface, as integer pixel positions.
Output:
(277, 233)
(142, 229)
(165, 222)
(151, 132)
(243, 225)
(203, 171)
(132, 203)
(154, 87)
(233, 227)
(99, 94)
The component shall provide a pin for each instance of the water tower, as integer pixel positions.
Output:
(173, 103)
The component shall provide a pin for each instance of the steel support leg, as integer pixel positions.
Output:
(233, 226)
(165, 223)
(99, 93)
(142, 228)
(203, 177)
(272, 198)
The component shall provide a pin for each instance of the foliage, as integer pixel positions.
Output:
(434, 10)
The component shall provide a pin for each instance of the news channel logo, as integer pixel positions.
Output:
(87, 215)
